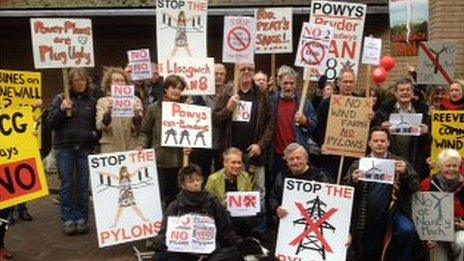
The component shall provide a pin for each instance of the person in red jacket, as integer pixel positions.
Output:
(449, 180)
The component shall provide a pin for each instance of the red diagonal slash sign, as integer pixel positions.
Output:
(436, 63)
(313, 227)
(336, 100)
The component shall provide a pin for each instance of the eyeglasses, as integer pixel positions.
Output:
(245, 69)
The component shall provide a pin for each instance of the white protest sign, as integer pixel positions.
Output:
(185, 125)
(242, 204)
(198, 73)
(274, 30)
(347, 20)
(437, 62)
(126, 196)
(406, 124)
(378, 170)
(181, 28)
(243, 111)
(239, 39)
(140, 63)
(313, 48)
(433, 215)
(191, 233)
(62, 42)
(318, 216)
(123, 100)
(371, 51)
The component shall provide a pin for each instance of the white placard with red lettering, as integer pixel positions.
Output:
(140, 64)
(62, 42)
(372, 49)
(377, 170)
(185, 125)
(191, 233)
(198, 73)
(243, 111)
(319, 213)
(243, 203)
(405, 124)
(126, 196)
(239, 39)
(274, 30)
(347, 20)
(313, 48)
(123, 100)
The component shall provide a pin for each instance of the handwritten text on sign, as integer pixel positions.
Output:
(274, 30)
(371, 51)
(348, 130)
(241, 204)
(185, 125)
(123, 100)
(318, 213)
(313, 48)
(140, 64)
(191, 234)
(20, 88)
(62, 42)
(433, 215)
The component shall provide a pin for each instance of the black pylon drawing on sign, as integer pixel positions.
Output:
(437, 58)
(143, 180)
(200, 136)
(185, 134)
(314, 242)
(439, 205)
(170, 132)
(347, 66)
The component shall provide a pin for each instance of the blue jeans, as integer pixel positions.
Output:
(404, 237)
(73, 206)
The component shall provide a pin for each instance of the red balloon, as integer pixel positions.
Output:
(379, 75)
(387, 62)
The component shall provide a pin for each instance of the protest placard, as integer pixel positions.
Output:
(123, 100)
(62, 42)
(243, 111)
(243, 203)
(371, 51)
(185, 125)
(405, 124)
(22, 177)
(347, 20)
(181, 28)
(377, 170)
(447, 133)
(437, 62)
(20, 89)
(140, 64)
(126, 196)
(318, 221)
(191, 233)
(274, 30)
(198, 73)
(313, 47)
(239, 39)
(433, 215)
(408, 25)
(348, 130)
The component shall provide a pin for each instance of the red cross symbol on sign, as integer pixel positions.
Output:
(239, 39)
(249, 201)
(312, 53)
(314, 226)
(336, 100)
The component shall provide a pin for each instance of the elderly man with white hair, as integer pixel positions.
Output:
(449, 179)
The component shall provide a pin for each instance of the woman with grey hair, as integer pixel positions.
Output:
(449, 179)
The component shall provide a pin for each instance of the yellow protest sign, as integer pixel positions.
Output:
(447, 133)
(22, 177)
(347, 126)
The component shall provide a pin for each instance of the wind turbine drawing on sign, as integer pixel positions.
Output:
(373, 171)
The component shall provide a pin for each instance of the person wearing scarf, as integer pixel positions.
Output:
(455, 99)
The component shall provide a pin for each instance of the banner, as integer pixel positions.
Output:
(191, 233)
(447, 133)
(347, 20)
(198, 73)
(313, 48)
(22, 177)
(140, 64)
(181, 29)
(377, 170)
(274, 30)
(437, 62)
(243, 204)
(433, 215)
(123, 100)
(348, 131)
(408, 25)
(185, 125)
(62, 42)
(318, 221)
(405, 124)
(239, 39)
(372, 49)
(126, 196)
